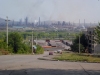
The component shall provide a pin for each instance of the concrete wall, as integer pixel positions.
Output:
(97, 49)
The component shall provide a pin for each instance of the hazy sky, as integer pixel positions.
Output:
(64, 10)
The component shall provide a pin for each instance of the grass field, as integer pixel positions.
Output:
(78, 57)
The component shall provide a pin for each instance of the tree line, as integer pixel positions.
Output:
(16, 45)
(84, 41)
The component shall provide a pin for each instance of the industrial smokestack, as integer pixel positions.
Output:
(39, 21)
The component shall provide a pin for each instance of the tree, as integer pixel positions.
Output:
(83, 40)
(97, 34)
(83, 43)
(75, 47)
(15, 41)
(16, 44)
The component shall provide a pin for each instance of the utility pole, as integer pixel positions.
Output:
(32, 40)
(79, 43)
(79, 38)
(36, 26)
(36, 40)
(7, 31)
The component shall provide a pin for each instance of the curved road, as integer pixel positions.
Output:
(30, 65)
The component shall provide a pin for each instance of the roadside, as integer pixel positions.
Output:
(46, 56)
(70, 56)
(30, 65)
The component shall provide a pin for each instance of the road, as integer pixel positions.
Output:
(31, 65)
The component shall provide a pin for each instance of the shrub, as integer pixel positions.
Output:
(3, 45)
(75, 48)
(24, 49)
(3, 52)
(39, 50)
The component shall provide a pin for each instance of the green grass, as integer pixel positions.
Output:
(78, 57)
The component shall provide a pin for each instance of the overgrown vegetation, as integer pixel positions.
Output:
(97, 34)
(75, 47)
(83, 43)
(39, 50)
(3, 47)
(49, 34)
(78, 57)
(17, 45)
(20, 42)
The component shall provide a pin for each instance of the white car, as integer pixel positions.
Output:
(55, 51)
(59, 51)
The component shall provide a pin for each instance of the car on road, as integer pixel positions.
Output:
(50, 53)
(59, 51)
(55, 51)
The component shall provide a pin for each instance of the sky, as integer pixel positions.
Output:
(53, 10)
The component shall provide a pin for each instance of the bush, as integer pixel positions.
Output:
(77, 57)
(39, 50)
(24, 49)
(83, 43)
(75, 48)
(16, 44)
(21, 51)
(10, 49)
(5, 52)
(3, 45)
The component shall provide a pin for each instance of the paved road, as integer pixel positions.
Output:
(30, 65)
